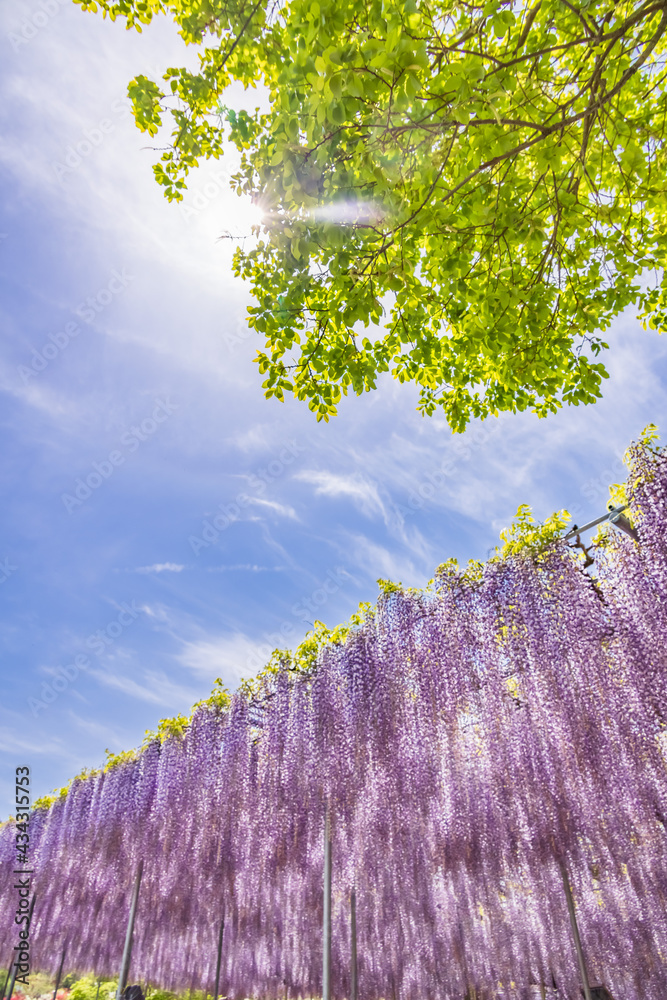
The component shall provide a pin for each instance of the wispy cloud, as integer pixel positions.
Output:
(155, 688)
(161, 568)
(225, 656)
(10, 743)
(284, 510)
(363, 493)
(100, 732)
(377, 561)
(245, 567)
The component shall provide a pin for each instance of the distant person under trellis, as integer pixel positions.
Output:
(133, 993)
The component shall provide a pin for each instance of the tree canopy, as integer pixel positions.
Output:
(464, 194)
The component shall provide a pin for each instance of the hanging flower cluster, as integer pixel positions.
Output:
(474, 743)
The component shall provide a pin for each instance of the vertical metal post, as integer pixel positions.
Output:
(326, 943)
(219, 959)
(12, 979)
(97, 995)
(575, 932)
(2, 995)
(354, 987)
(60, 972)
(127, 950)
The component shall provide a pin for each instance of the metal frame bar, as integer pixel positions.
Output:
(219, 959)
(615, 515)
(326, 929)
(60, 973)
(354, 983)
(612, 515)
(127, 950)
(9, 969)
(583, 972)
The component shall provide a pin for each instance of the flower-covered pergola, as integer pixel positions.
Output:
(477, 746)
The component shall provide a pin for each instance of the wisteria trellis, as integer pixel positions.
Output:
(468, 739)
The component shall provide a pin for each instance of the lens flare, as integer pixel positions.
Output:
(347, 213)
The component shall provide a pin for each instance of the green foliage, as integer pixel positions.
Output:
(86, 989)
(648, 440)
(257, 687)
(117, 759)
(303, 660)
(219, 698)
(157, 994)
(161, 995)
(462, 195)
(306, 654)
(387, 587)
(41, 983)
(527, 537)
(168, 729)
(450, 570)
(618, 496)
(44, 802)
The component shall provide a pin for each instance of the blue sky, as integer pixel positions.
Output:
(220, 524)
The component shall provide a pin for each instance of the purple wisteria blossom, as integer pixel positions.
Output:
(471, 742)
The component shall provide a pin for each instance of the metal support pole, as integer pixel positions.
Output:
(326, 943)
(609, 516)
(4, 988)
(12, 980)
(354, 990)
(127, 950)
(97, 995)
(60, 972)
(219, 960)
(575, 932)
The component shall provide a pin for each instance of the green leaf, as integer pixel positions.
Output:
(499, 228)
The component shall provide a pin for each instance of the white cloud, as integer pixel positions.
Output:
(158, 612)
(232, 656)
(100, 732)
(161, 568)
(157, 688)
(280, 508)
(245, 567)
(255, 438)
(43, 128)
(363, 493)
(379, 562)
(10, 743)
